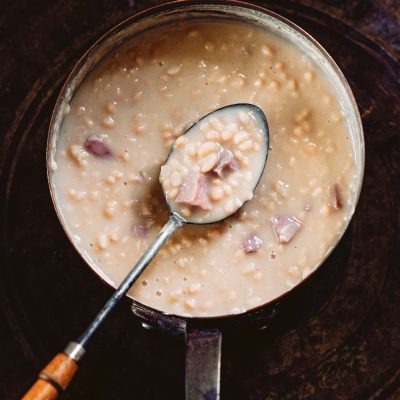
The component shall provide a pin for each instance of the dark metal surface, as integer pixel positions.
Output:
(345, 344)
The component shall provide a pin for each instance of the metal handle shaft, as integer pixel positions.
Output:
(174, 222)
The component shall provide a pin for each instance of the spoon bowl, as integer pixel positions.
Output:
(257, 164)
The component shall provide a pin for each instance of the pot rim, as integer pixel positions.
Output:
(187, 5)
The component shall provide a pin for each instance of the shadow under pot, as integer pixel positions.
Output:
(204, 335)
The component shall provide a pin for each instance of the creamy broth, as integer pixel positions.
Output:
(120, 126)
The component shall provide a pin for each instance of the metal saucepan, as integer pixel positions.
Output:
(203, 335)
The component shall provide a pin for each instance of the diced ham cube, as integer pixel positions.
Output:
(226, 160)
(95, 146)
(140, 230)
(337, 197)
(251, 243)
(285, 227)
(194, 191)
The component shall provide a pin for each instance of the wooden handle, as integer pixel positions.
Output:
(54, 378)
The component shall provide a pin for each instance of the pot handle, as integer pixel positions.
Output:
(203, 364)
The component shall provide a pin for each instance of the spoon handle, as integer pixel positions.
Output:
(57, 375)
(174, 222)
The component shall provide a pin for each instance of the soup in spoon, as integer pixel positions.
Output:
(214, 168)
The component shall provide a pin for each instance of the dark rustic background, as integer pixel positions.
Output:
(346, 347)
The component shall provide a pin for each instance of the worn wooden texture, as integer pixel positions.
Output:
(346, 346)
(41, 390)
(54, 377)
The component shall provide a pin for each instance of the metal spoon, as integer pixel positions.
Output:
(59, 372)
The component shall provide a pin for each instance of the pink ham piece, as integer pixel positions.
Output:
(251, 243)
(95, 146)
(285, 227)
(194, 191)
(226, 160)
(337, 197)
(140, 230)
